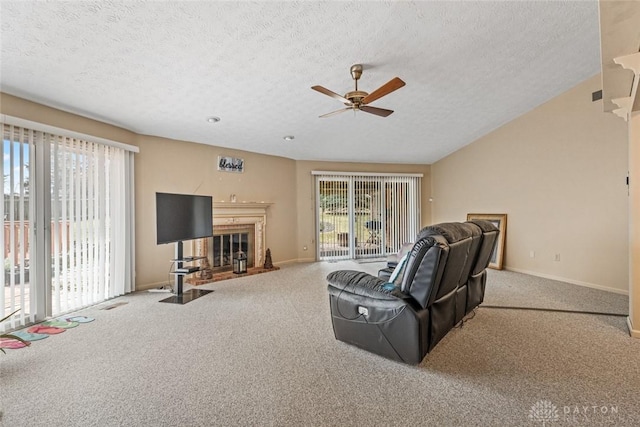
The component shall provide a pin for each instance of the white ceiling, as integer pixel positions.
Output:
(162, 68)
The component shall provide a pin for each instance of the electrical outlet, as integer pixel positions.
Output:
(557, 257)
(532, 254)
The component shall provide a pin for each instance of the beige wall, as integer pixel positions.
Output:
(306, 195)
(18, 107)
(559, 173)
(171, 166)
(167, 165)
(178, 166)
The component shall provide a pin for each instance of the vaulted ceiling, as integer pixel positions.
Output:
(163, 68)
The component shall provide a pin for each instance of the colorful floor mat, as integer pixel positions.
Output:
(12, 343)
(79, 319)
(29, 336)
(60, 324)
(41, 329)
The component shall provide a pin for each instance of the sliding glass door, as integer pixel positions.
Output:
(365, 215)
(68, 223)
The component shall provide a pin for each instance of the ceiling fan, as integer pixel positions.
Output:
(358, 99)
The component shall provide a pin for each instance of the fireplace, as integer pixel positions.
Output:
(227, 242)
(236, 226)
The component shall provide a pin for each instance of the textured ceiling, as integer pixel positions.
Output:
(161, 68)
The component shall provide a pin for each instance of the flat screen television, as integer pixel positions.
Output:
(183, 217)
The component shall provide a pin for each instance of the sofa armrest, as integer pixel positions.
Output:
(363, 284)
(392, 264)
(385, 274)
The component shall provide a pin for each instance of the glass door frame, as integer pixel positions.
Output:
(384, 182)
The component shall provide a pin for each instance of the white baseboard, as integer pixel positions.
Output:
(149, 286)
(635, 333)
(295, 261)
(566, 280)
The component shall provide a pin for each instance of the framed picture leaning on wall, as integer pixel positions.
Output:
(500, 221)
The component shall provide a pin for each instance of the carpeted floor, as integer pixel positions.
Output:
(260, 351)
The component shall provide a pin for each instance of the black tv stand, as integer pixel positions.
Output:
(178, 273)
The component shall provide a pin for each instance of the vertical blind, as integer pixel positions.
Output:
(363, 215)
(88, 215)
(17, 232)
(86, 237)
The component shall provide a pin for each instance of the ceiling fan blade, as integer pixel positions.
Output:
(333, 113)
(393, 84)
(331, 94)
(377, 111)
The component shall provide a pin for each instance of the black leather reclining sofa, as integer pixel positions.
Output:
(442, 280)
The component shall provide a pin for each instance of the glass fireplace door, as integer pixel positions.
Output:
(226, 245)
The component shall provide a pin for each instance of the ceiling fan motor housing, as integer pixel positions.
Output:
(355, 97)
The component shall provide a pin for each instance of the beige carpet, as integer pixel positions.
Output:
(260, 351)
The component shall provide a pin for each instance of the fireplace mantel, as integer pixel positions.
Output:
(230, 209)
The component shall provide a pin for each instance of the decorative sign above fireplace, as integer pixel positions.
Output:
(230, 164)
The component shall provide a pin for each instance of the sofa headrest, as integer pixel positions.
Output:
(485, 226)
(452, 231)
